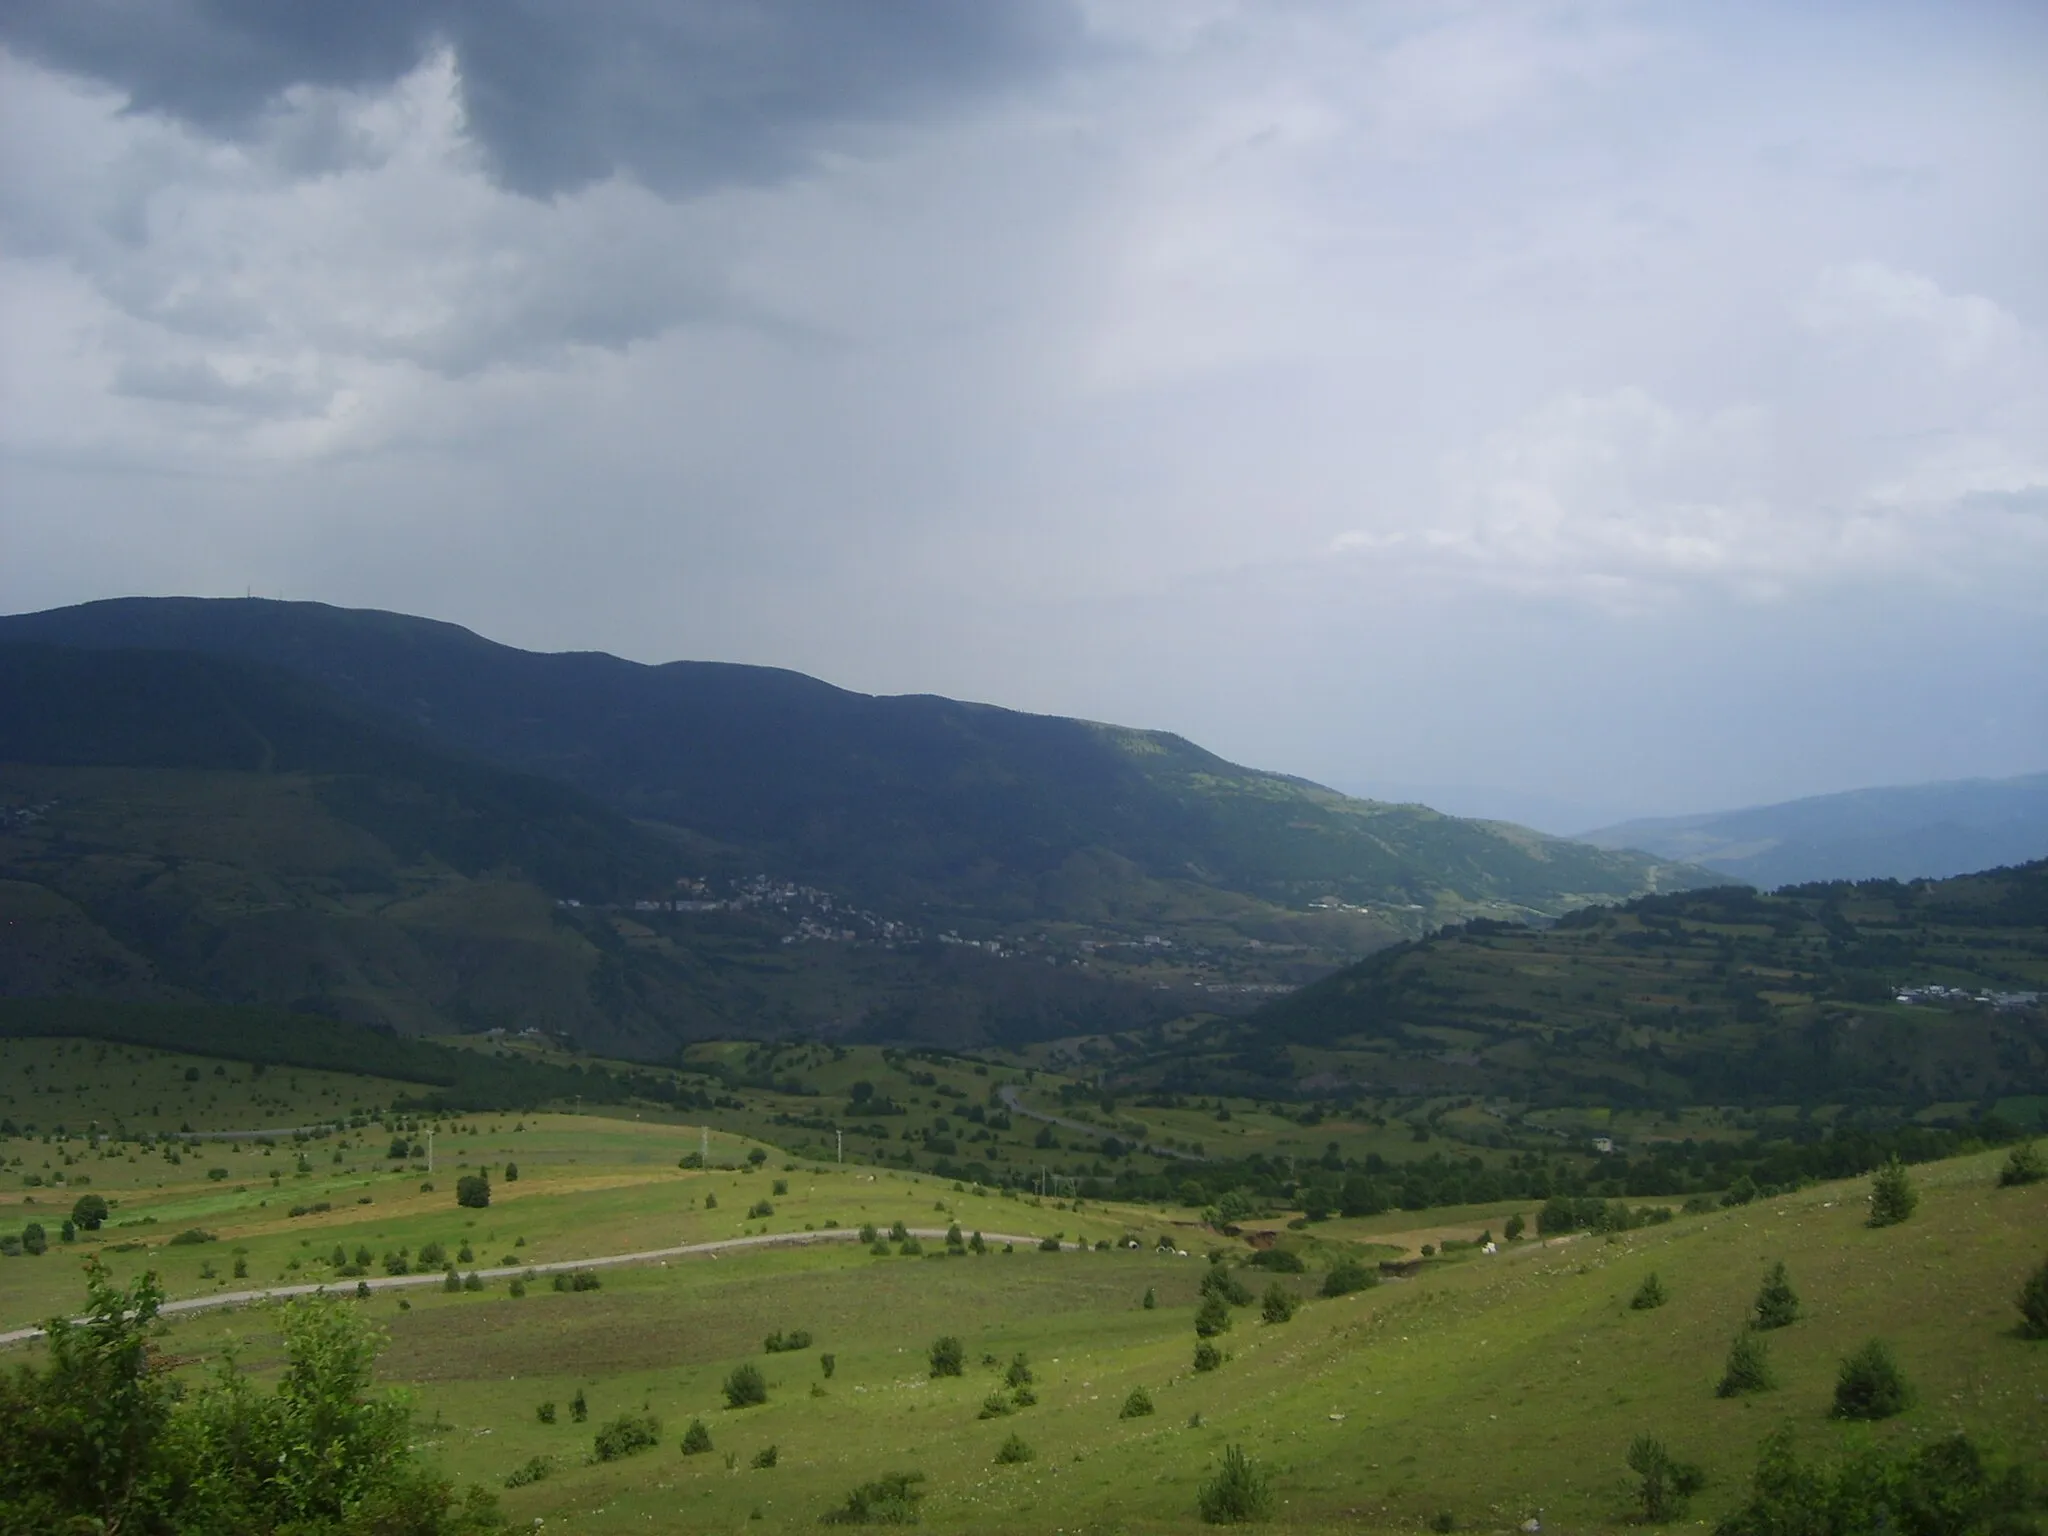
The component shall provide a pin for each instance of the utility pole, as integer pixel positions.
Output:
(842, 1145)
(430, 1149)
(703, 1146)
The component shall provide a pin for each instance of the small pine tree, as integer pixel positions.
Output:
(1870, 1385)
(745, 1387)
(1207, 1356)
(1666, 1483)
(579, 1407)
(1019, 1372)
(1649, 1295)
(1238, 1492)
(2033, 1303)
(2024, 1164)
(545, 1413)
(1211, 1317)
(1278, 1306)
(828, 1363)
(1013, 1451)
(1151, 1299)
(1137, 1406)
(1892, 1196)
(1748, 1368)
(765, 1458)
(948, 1356)
(1777, 1304)
(696, 1439)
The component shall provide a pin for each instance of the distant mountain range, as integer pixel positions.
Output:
(397, 821)
(1918, 831)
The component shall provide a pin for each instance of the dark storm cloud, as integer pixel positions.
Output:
(681, 94)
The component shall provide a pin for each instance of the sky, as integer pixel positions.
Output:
(1563, 411)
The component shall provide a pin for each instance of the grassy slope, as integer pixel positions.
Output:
(1706, 996)
(1495, 1388)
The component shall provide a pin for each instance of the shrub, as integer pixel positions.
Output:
(1666, 1483)
(696, 1439)
(1137, 1406)
(868, 1234)
(192, 1236)
(828, 1363)
(627, 1435)
(1211, 1317)
(518, 1286)
(579, 1407)
(1748, 1368)
(898, 1233)
(1937, 1490)
(472, 1281)
(511, 1173)
(780, 1343)
(2033, 1304)
(780, 1187)
(585, 1280)
(766, 1456)
(1278, 1306)
(745, 1387)
(1151, 1299)
(910, 1248)
(948, 1357)
(432, 1256)
(1281, 1261)
(1222, 1284)
(710, 1202)
(1869, 1385)
(451, 1281)
(1777, 1304)
(1515, 1228)
(473, 1190)
(545, 1412)
(1048, 1245)
(33, 1239)
(89, 1212)
(889, 1500)
(2024, 1164)
(536, 1470)
(1207, 1356)
(1024, 1397)
(759, 1209)
(995, 1406)
(1014, 1451)
(1019, 1372)
(1443, 1522)
(1649, 1295)
(1348, 1275)
(1892, 1196)
(1238, 1491)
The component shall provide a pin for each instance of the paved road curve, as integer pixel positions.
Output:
(561, 1266)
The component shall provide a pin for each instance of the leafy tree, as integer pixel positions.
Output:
(1237, 1492)
(890, 1499)
(1649, 1295)
(1870, 1385)
(473, 1190)
(1892, 1196)
(1942, 1489)
(1666, 1483)
(627, 1435)
(1777, 1304)
(1346, 1276)
(34, 1240)
(89, 1212)
(2024, 1164)
(1137, 1406)
(757, 1156)
(745, 1387)
(1013, 1451)
(1278, 1306)
(948, 1356)
(511, 1173)
(1748, 1368)
(2033, 1304)
(696, 1439)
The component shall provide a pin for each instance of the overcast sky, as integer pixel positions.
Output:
(1561, 410)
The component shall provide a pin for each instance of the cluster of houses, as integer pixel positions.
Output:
(1933, 992)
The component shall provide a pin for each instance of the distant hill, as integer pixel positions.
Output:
(1813, 994)
(920, 804)
(1918, 831)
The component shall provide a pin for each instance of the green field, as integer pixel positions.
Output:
(1496, 1388)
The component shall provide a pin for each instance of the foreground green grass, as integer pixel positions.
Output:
(1496, 1388)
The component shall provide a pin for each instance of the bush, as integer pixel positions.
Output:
(996, 1405)
(782, 1343)
(889, 1500)
(1869, 1385)
(1280, 1261)
(828, 1363)
(745, 1387)
(432, 1256)
(627, 1435)
(472, 1281)
(1348, 1275)
(1048, 1245)
(579, 1407)
(34, 1240)
(948, 1356)
(536, 1470)
(89, 1212)
(1649, 1295)
(473, 1190)
(1238, 1491)
(192, 1236)
(1942, 1489)
(1748, 1368)
(868, 1234)
(511, 1173)
(1666, 1483)
(1777, 1304)
(696, 1439)
(1014, 1451)
(2024, 1164)
(767, 1455)
(518, 1286)
(1278, 1306)
(1222, 1284)
(545, 1412)
(1151, 1299)
(2033, 1304)
(1892, 1196)
(759, 1209)
(1515, 1228)
(781, 1187)
(1137, 1406)
(898, 1233)
(451, 1281)
(1443, 1522)
(1211, 1317)
(1207, 1356)
(1019, 1372)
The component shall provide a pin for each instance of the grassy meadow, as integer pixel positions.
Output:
(1489, 1388)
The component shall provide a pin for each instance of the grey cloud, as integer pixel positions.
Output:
(680, 94)
(198, 383)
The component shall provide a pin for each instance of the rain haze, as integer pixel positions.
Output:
(1555, 411)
